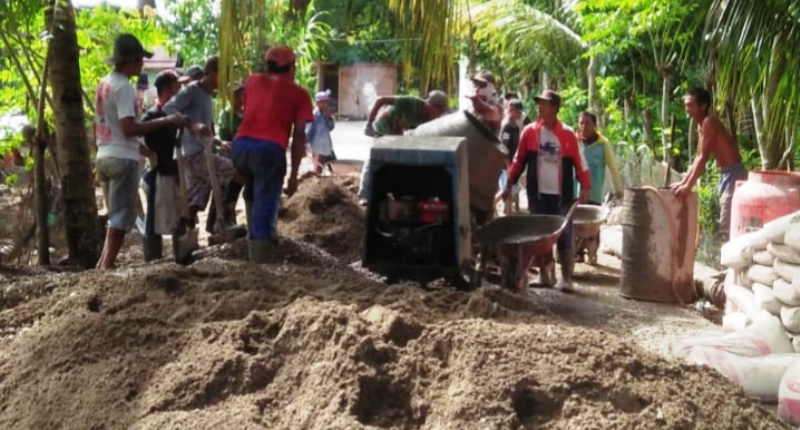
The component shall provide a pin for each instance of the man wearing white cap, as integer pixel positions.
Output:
(484, 101)
(318, 132)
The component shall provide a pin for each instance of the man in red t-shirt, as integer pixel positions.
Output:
(275, 107)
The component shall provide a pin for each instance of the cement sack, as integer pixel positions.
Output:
(739, 299)
(775, 230)
(765, 299)
(764, 258)
(765, 336)
(789, 396)
(784, 253)
(735, 321)
(795, 343)
(790, 317)
(792, 236)
(789, 272)
(743, 280)
(787, 293)
(738, 252)
(759, 377)
(762, 274)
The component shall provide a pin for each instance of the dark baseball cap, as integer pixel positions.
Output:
(194, 72)
(127, 48)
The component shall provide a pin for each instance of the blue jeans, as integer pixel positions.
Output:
(263, 165)
(549, 204)
(727, 184)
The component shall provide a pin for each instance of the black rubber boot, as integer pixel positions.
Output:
(229, 204)
(259, 250)
(153, 247)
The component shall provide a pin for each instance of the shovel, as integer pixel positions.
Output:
(184, 240)
(222, 233)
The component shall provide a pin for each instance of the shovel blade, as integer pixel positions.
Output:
(184, 242)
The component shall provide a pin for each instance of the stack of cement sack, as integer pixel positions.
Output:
(764, 274)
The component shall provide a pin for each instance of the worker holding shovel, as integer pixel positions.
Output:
(162, 177)
(195, 102)
(275, 108)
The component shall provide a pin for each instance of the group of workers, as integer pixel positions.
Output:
(554, 156)
(270, 112)
(178, 133)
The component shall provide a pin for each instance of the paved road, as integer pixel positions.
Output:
(349, 141)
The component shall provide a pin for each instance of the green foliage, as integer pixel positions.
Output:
(192, 27)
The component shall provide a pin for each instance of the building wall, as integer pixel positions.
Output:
(361, 84)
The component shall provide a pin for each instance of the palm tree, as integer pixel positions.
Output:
(756, 52)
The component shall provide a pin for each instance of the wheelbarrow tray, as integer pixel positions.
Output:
(537, 233)
(588, 219)
(346, 167)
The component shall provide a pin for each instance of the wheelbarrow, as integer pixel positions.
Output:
(586, 224)
(516, 242)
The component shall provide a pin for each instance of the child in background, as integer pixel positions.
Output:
(318, 132)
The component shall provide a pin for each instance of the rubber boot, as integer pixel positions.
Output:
(248, 210)
(231, 198)
(547, 272)
(567, 266)
(153, 247)
(259, 250)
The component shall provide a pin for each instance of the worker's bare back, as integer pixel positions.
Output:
(719, 143)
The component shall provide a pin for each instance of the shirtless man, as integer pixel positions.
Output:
(715, 141)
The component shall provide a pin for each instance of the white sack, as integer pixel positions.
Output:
(775, 230)
(789, 272)
(789, 396)
(740, 299)
(764, 258)
(765, 299)
(738, 252)
(759, 377)
(762, 274)
(790, 317)
(787, 293)
(785, 253)
(734, 321)
(765, 336)
(792, 236)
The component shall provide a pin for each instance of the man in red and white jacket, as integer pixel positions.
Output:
(550, 151)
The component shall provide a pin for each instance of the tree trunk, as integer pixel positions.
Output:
(77, 182)
(770, 146)
(594, 103)
(647, 119)
(665, 112)
(627, 114)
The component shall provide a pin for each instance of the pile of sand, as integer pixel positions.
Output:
(326, 213)
(306, 343)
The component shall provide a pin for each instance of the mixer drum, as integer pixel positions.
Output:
(486, 157)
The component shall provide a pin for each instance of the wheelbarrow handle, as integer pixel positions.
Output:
(572, 210)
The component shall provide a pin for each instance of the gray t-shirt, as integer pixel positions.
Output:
(195, 103)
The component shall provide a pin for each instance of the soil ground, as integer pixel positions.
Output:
(309, 341)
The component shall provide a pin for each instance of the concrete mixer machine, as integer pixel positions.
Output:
(430, 189)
